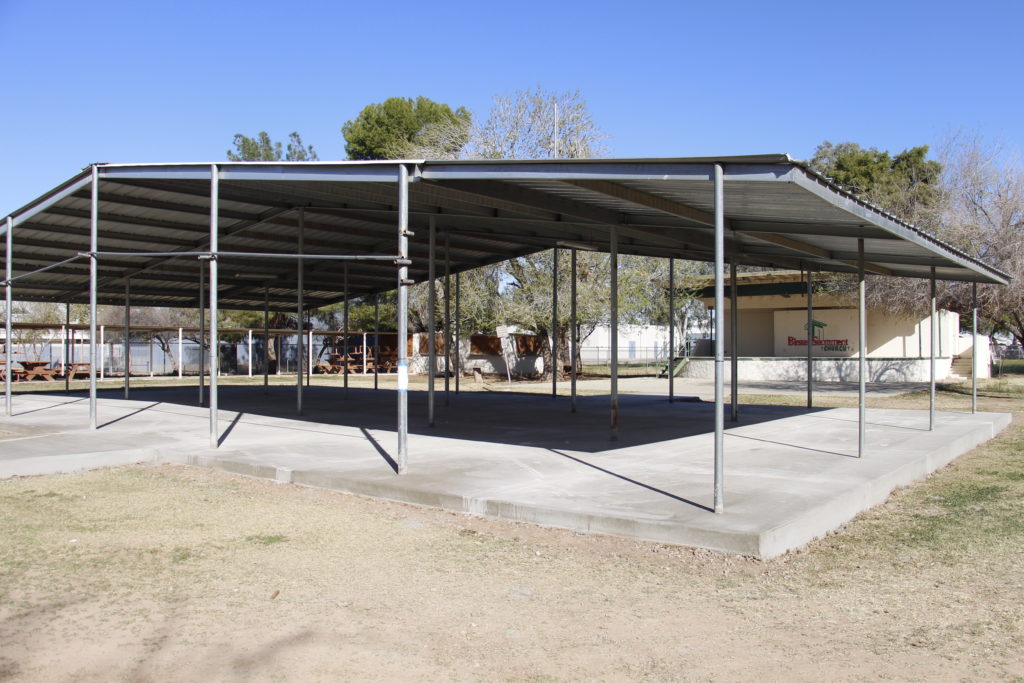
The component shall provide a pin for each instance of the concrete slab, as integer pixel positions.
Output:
(791, 475)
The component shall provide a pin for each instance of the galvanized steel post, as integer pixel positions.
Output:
(266, 339)
(573, 331)
(67, 348)
(447, 315)
(402, 323)
(94, 231)
(733, 341)
(214, 337)
(431, 319)
(8, 328)
(614, 341)
(810, 339)
(376, 338)
(457, 359)
(719, 339)
(300, 285)
(862, 342)
(344, 323)
(671, 329)
(181, 351)
(554, 322)
(931, 365)
(249, 356)
(202, 333)
(127, 336)
(974, 347)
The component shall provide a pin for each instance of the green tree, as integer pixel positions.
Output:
(262, 148)
(402, 127)
(907, 184)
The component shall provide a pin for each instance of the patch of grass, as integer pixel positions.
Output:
(267, 539)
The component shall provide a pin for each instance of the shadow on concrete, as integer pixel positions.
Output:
(127, 415)
(380, 449)
(513, 419)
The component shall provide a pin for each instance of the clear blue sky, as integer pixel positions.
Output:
(123, 81)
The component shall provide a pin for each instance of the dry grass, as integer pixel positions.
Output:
(173, 573)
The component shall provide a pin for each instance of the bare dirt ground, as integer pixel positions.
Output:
(174, 573)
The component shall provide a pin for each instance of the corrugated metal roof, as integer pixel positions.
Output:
(778, 213)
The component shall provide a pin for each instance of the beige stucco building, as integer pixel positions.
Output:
(772, 337)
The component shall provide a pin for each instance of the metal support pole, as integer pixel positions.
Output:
(431, 320)
(931, 365)
(554, 322)
(214, 336)
(250, 353)
(300, 273)
(376, 339)
(402, 322)
(94, 236)
(734, 339)
(719, 338)
(266, 339)
(344, 323)
(974, 347)
(456, 329)
(202, 334)
(181, 349)
(862, 343)
(447, 316)
(671, 329)
(810, 339)
(8, 329)
(67, 348)
(127, 336)
(309, 350)
(573, 331)
(103, 353)
(614, 302)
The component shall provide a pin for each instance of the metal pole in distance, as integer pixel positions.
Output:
(456, 328)
(862, 343)
(309, 349)
(402, 322)
(103, 352)
(719, 338)
(8, 339)
(447, 315)
(573, 331)
(431, 320)
(250, 353)
(974, 347)
(266, 339)
(344, 323)
(734, 338)
(300, 273)
(376, 338)
(127, 336)
(67, 347)
(671, 329)
(181, 350)
(810, 339)
(614, 301)
(554, 322)
(202, 334)
(214, 338)
(931, 365)
(94, 232)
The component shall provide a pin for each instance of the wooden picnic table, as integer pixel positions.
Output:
(16, 374)
(75, 369)
(37, 368)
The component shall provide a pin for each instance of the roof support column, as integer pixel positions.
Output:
(249, 353)
(214, 337)
(300, 275)
(127, 336)
(202, 334)
(402, 322)
(671, 329)
(573, 331)
(67, 347)
(447, 315)
(8, 339)
(457, 359)
(554, 322)
(614, 302)
(344, 322)
(94, 231)
(810, 339)
(181, 350)
(376, 338)
(431, 319)
(719, 338)
(974, 347)
(266, 339)
(862, 343)
(931, 365)
(734, 337)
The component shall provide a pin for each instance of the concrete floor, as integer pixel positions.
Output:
(790, 475)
